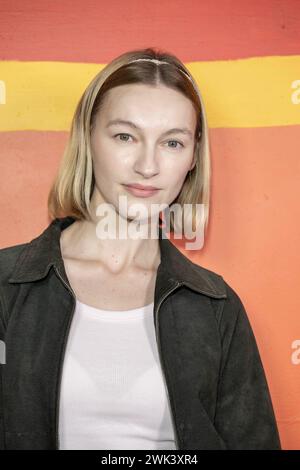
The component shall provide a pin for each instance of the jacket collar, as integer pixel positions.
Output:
(44, 251)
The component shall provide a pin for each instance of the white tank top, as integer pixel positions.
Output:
(113, 393)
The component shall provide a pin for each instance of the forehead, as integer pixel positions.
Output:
(148, 106)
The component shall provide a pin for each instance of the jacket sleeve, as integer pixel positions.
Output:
(244, 412)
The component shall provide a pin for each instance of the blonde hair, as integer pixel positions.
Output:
(73, 186)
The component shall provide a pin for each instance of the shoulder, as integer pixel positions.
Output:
(8, 259)
(232, 296)
(229, 307)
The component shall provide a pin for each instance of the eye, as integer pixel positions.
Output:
(177, 142)
(128, 135)
(122, 140)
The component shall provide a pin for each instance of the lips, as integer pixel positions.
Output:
(140, 186)
(141, 191)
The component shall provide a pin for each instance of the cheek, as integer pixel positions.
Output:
(176, 173)
(175, 176)
(103, 164)
(107, 160)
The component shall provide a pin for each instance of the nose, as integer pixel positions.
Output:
(147, 164)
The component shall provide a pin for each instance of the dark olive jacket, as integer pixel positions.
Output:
(216, 384)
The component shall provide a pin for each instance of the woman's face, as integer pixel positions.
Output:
(146, 152)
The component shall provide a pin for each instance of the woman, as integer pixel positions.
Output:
(122, 342)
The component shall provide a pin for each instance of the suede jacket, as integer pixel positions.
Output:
(216, 385)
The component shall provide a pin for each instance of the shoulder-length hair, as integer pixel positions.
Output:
(73, 185)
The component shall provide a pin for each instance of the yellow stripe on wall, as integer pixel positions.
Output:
(255, 92)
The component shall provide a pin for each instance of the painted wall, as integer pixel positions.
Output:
(245, 57)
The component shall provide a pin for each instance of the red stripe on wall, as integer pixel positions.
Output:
(93, 31)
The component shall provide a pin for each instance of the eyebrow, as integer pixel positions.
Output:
(175, 130)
